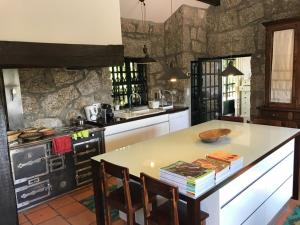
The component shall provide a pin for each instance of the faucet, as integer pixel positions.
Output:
(130, 99)
(172, 96)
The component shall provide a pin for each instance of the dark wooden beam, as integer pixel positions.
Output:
(45, 55)
(8, 206)
(211, 2)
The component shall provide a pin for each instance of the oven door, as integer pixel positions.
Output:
(28, 163)
(85, 150)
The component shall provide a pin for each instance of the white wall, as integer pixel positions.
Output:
(61, 21)
(157, 10)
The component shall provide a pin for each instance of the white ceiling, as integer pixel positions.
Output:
(157, 10)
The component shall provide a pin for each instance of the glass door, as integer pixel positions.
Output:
(206, 90)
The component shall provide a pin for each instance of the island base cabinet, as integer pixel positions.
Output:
(272, 206)
(130, 137)
(243, 206)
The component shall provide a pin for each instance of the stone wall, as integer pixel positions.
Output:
(235, 28)
(51, 97)
(181, 39)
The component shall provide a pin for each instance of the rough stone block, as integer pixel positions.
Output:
(193, 33)
(127, 26)
(90, 84)
(54, 103)
(228, 20)
(64, 77)
(47, 122)
(251, 14)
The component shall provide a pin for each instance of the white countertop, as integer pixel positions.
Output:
(248, 140)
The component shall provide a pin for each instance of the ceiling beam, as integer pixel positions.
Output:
(211, 2)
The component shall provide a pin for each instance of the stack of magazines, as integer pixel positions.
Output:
(189, 178)
(221, 168)
(235, 161)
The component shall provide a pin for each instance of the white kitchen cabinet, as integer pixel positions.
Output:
(121, 135)
(179, 121)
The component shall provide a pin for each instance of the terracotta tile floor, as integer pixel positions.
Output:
(65, 210)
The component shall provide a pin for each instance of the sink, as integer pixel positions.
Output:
(138, 113)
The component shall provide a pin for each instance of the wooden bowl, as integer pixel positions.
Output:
(210, 136)
(47, 131)
(12, 135)
(30, 130)
(31, 136)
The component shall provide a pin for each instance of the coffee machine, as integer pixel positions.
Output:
(92, 112)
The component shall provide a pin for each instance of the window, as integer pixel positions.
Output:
(228, 88)
(127, 79)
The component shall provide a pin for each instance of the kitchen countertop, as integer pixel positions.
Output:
(58, 132)
(115, 120)
(253, 142)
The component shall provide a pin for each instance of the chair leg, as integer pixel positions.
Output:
(130, 218)
(107, 215)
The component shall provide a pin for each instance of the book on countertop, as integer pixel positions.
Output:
(187, 172)
(221, 168)
(235, 161)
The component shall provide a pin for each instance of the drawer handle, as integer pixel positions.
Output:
(86, 152)
(30, 163)
(34, 192)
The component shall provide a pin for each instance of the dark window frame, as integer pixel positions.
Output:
(129, 78)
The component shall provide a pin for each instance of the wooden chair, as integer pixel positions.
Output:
(172, 212)
(126, 198)
(232, 118)
(277, 123)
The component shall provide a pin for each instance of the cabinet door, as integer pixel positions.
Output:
(179, 121)
(130, 137)
(282, 69)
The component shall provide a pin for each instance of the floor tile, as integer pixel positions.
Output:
(22, 218)
(60, 202)
(71, 210)
(27, 223)
(84, 218)
(58, 220)
(34, 209)
(82, 195)
(41, 215)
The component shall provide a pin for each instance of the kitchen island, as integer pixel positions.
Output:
(252, 195)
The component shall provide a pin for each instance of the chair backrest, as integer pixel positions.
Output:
(109, 169)
(156, 187)
(232, 118)
(267, 122)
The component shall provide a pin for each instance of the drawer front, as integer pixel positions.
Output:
(30, 162)
(31, 194)
(278, 115)
(242, 182)
(249, 200)
(273, 205)
(84, 151)
(84, 176)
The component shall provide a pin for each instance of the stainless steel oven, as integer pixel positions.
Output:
(83, 151)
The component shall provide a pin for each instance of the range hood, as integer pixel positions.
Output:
(60, 33)
(46, 55)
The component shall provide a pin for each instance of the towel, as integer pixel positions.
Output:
(81, 134)
(61, 145)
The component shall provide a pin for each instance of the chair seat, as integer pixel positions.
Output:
(117, 198)
(162, 216)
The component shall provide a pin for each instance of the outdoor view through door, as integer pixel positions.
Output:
(213, 95)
